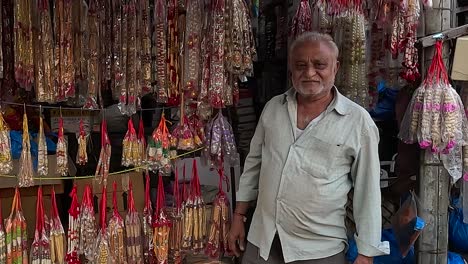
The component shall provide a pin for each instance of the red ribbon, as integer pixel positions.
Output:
(103, 209)
(74, 210)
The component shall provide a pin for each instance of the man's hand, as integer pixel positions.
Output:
(363, 260)
(236, 235)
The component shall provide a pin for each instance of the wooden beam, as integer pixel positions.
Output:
(446, 34)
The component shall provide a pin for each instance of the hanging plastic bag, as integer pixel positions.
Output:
(141, 145)
(3, 248)
(130, 149)
(57, 234)
(159, 147)
(87, 225)
(6, 162)
(16, 233)
(42, 160)
(41, 247)
(407, 225)
(162, 226)
(148, 247)
(175, 236)
(217, 244)
(82, 154)
(133, 228)
(102, 169)
(116, 231)
(102, 252)
(73, 236)
(25, 173)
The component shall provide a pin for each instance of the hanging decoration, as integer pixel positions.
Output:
(3, 247)
(193, 36)
(162, 226)
(42, 160)
(73, 237)
(217, 243)
(41, 246)
(175, 236)
(194, 216)
(130, 147)
(82, 153)
(23, 43)
(102, 253)
(302, 21)
(158, 148)
(145, 47)
(6, 162)
(133, 227)
(173, 70)
(141, 145)
(62, 150)
(87, 225)
(57, 234)
(44, 56)
(148, 246)
(102, 169)
(16, 233)
(94, 78)
(25, 173)
(116, 231)
(435, 117)
(220, 142)
(160, 18)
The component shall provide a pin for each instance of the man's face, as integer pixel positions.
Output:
(313, 68)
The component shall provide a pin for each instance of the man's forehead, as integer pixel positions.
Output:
(312, 51)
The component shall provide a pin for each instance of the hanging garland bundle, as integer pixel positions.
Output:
(73, 237)
(62, 151)
(82, 154)
(162, 226)
(130, 147)
(194, 216)
(160, 20)
(25, 173)
(116, 231)
(23, 39)
(45, 88)
(133, 227)
(148, 246)
(16, 233)
(102, 252)
(87, 225)
(193, 36)
(145, 56)
(173, 70)
(118, 56)
(94, 80)
(141, 145)
(220, 141)
(435, 117)
(102, 169)
(57, 234)
(175, 236)
(217, 243)
(3, 247)
(42, 160)
(6, 162)
(158, 148)
(302, 21)
(41, 246)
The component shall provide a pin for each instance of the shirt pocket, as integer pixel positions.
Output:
(319, 158)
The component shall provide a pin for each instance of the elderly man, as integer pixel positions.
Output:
(311, 146)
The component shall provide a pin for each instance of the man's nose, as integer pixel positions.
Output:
(310, 71)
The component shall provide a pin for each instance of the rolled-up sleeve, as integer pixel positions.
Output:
(248, 183)
(367, 197)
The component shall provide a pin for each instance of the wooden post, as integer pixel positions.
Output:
(434, 180)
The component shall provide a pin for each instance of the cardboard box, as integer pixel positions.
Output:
(460, 62)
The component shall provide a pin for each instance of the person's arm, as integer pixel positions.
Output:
(367, 197)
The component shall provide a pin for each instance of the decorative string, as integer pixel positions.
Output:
(93, 176)
(79, 108)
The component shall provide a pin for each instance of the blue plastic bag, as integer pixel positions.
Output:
(458, 231)
(394, 257)
(454, 259)
(385, 108)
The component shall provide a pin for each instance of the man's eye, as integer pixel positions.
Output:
(301, 66)
(320, 65)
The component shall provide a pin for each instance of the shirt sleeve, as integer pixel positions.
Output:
(367, 197)
(248, 182)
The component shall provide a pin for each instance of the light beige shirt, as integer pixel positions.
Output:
(301, 186)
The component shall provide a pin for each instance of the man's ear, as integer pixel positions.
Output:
(337, 66)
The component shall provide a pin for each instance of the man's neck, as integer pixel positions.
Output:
(315, 102)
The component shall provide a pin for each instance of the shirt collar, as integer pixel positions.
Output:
(338, 104)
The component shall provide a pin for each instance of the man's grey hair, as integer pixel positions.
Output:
(314, 37)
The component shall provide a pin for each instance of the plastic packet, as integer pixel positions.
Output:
(148, 247)
(162, 226)
(25, 173)
(130, 149)
(87, 225)
(407, 225)
(57, 234)
(6, 162)
(42, 160)
(40, 248)
(62, 152)
(16, 232)
(116, 231)
(3, 248)
(175, 236)
(101, 251)
(102, 169)
(73, 236)
(141, 141)
(133, 228)
(82, 154)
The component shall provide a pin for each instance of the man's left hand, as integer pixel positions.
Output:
(363, 260)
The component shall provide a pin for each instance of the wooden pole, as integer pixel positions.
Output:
(434, 180)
